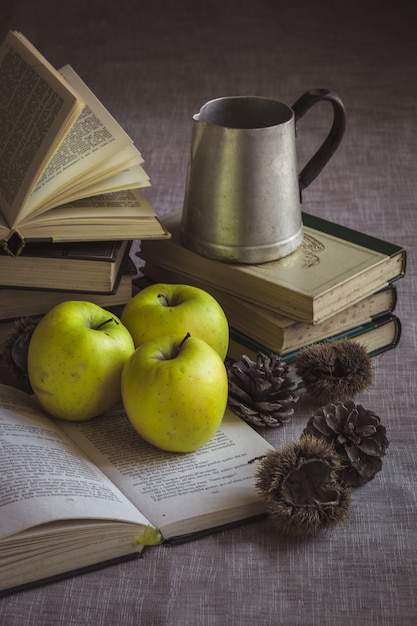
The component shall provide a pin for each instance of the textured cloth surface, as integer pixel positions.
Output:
(153, 64)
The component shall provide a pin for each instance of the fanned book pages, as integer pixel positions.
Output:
(333, 268)
(68, 171)
(74, 495)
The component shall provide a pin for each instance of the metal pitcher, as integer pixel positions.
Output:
(243, 194)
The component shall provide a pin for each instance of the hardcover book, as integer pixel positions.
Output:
(78, 494)
(68, 171)
(18, 303)
(333, 268)
(80, 266)
(275, 331)
(381, 334)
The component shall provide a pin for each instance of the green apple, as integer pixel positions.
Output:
(174, 391)
(75, 360)
(169, 309)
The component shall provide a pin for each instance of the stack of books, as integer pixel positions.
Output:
(339, 283)
(46, 274)
(70, 199)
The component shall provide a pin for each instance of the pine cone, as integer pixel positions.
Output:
(261, 392)
(357, 435)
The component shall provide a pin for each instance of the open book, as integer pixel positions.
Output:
(78, 494)
(68, 171)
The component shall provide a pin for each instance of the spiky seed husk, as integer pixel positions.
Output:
(335, 371)
(17, 345)
(357, 435)
(301, 488)
(261, 392)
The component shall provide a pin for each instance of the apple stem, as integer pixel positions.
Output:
(170, 300)
(164, 298)
(184, 340)
(179, 346)
(111, 319)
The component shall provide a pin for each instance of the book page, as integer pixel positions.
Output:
(38, 108)
(44, 478)
(123, 181)
(95, 148)
(99, 218)
(178, 493)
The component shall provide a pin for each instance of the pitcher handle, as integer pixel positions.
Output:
(314, 166)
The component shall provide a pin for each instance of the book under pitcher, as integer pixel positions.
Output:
(333, 268)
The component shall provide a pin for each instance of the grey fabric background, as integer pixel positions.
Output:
(153, 64)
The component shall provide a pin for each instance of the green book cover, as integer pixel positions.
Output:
(379, 335)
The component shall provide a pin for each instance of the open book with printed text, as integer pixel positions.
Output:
(77, 494)
(68, 171)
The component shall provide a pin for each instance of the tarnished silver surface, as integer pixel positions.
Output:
(242, 196)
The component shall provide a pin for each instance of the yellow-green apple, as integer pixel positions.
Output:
(75, 360)
(174, 391)
(169, 309)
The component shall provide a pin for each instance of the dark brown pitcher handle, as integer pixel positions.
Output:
(333, 139)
